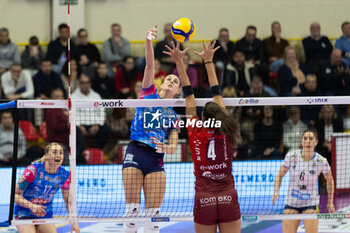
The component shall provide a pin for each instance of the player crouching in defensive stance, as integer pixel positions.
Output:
(216, 200)
(305, 166)
(36, 188)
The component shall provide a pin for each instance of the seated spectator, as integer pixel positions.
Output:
(335, 77)
(291, 75)
(119, 123)
(115, 49)
(125, 78)
(343, 43)
(75, 72)
(46, 80)
(166, 61)
(88, 54)
(91, 121)
(293, 129)
(274, 47)
(57, 124)
(17, 83)
(9, 52)
(7, 140)
(135, 94)
(224, 54)
(32, 55)
(159, 74)
(327, 124)
(256, 88)
(239, 73)
(191, 72)
(234, 111)
(57, 51)
(317, 49)
(102, 84)
(203, 90)
(251, 46)
(268, 135)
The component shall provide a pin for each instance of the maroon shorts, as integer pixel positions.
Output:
(216, 207)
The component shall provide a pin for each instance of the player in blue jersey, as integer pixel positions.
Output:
(143, 165)
(36, 188)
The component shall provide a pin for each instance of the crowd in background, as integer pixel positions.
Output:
(249, 67)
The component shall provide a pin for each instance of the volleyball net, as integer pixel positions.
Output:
(96, 133)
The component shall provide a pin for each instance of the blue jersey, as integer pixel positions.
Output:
(151, 124)
(42, 188)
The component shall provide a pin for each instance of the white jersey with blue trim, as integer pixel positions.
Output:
(303, 188)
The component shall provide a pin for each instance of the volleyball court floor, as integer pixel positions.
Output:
(273, 226)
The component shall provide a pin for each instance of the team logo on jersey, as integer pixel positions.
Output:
(129, 157)
(41, 175)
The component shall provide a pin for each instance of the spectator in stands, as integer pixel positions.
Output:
(75, 71)
(251, 46)
(203, 82)
(115, 49)
(335, 77)
(309, 113)
(57, 125)
(328, 123)
(88, 54)
(135, 94)
(234, 111)
(293, 129)
(91, 121)
(274, 48)
(159, 74)
(291, 75)
(256, 88)
(103, 84)
(317, 49)
(239, 73)
(125, 77)
(166, 61)
(9, 52)
(7, 140)
(17, 83)
(224, 54)
(32, 55)
(343, 43)
(268, 135)
(57, 51)
(191, 71)
(46, 80)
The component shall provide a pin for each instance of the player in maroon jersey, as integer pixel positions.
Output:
(211, 142)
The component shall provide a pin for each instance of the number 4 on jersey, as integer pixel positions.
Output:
(211, 150)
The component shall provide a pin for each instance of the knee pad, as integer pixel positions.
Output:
(152, 227)
(131, 210)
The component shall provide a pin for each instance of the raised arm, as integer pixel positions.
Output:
(148, 77)
(278, 182)
(177, 55)
(207, 56)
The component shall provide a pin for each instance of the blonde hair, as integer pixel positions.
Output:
(47, 149)
(229, 91)
(324, 109)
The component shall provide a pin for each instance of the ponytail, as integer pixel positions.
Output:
(229, 126)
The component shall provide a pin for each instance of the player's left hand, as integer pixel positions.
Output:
(175, 52)
(75, 228)
(330, 208)
(208, 51)
(164, 148)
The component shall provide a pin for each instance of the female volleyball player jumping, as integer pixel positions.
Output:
(36, 188)
(143, 162)
(305, 166)
(216, 200)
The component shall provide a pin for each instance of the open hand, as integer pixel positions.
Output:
(208, 51)
(175, 52)
(38, 210)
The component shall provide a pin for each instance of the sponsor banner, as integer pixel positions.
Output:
(160, 219)
(250, 218)
(333, 216)
(42, 104)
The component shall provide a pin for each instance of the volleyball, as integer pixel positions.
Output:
(183, 29)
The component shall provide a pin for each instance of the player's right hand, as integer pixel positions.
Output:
(273, 199)
(38, 210)
(152, 33)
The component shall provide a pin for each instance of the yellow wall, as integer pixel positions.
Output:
(28, 17)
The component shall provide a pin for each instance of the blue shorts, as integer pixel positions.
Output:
(301, 209)
(143, 157)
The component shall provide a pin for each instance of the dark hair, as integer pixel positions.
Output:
(45, 60)
(238, 51)
(102, 63)
(223, 30)
(5, 112)
(65, 68)
(62, 26)
(229, 126)
(311, 130)
(251, 27)
(128, 57)
(344, 23)
(115, 24)
(275, 22)
(4, 30)
(81, 30)
(84, 74)
(33, 40)
(16, 64)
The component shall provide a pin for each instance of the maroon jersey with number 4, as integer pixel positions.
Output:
(212, 157)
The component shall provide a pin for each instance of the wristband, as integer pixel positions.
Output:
(215, 90)
(187, 90)
(208, 62)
